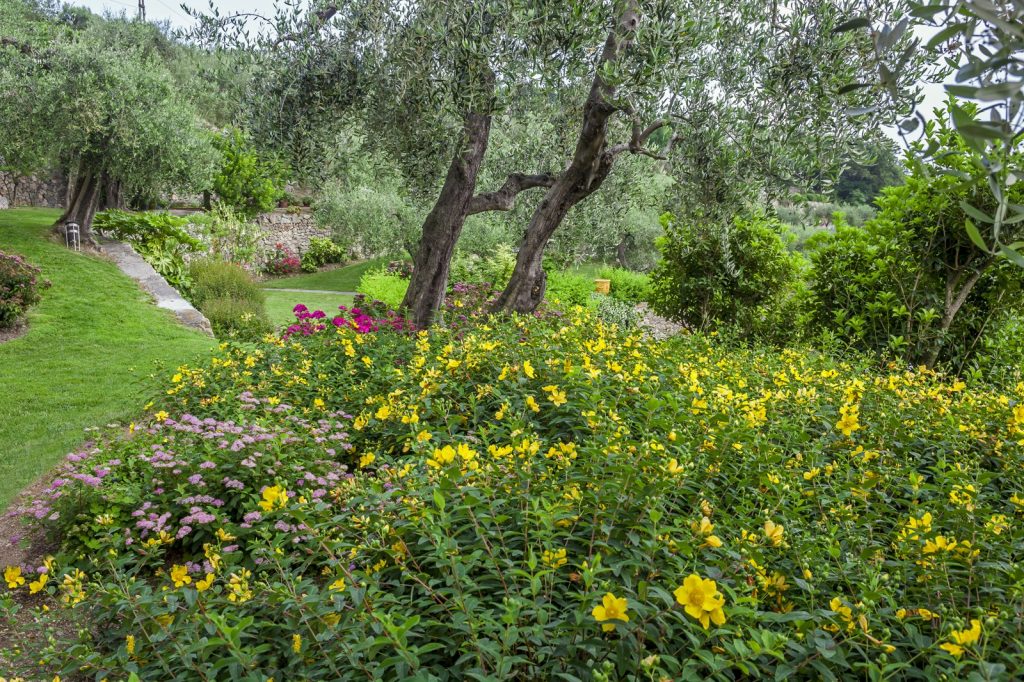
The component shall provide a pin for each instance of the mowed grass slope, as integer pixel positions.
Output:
(339, 279)
(93, 346)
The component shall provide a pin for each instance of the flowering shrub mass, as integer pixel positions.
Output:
(282, 261)
(19, 288)
(543, 498)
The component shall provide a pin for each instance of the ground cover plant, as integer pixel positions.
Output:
(56, 382)
(545, 498)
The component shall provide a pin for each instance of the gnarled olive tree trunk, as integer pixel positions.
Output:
(443, 224)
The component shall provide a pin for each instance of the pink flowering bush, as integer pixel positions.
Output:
(375, 318)
(282, 261)
(179, 479)
(19, 288)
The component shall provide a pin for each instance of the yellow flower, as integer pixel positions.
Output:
(338, 585)
(701, 600)
(555, 559)
(274, 497)
(383, 412)
(318, 403)
(38, 584)
(129, 644)
(12, 574)
(179, 574)
(556, 396)
(528, 369)
(224, 536)
(160, 416)
(713, 541)
(367, 459)
(532, 404)
(673, 466)
(773, 532)
(442, 456)
(297, 643)
(205, 583)
(611, 608)
(848, 422)
(963, 639)
(165, 620)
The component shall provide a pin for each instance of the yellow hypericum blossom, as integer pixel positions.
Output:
(297, 643)
(180, 576)
(963, 639)
(701, 600)
(382, 413)
(611, 608)
(367, 459)
(940, 544)
(164, 620)
(554, 559)
(72, 587)
(224, 536)
(38, 584)
(204, 584)
(673, 466)
(161, 416)
(337, 586)
(848, 422)
(442, 456)
(773, 532)
(319, 403)
(274, 497)
(129, 644)
(238, 586)
(528, 369)
(12, 574)
(532, 404)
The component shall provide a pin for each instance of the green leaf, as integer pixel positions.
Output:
(852, 25)
(972, 232)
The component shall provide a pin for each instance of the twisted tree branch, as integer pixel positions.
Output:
(504, 199)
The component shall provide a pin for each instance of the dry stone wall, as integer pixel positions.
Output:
(41, 191)
(293, 230)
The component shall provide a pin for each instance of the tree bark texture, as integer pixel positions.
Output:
(443, 224)
(83, 200)
(590, 165)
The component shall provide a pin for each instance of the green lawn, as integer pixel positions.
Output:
(280, 304)
(341, 279)
(93, 344)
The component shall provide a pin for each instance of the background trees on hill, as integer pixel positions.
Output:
(99, 102)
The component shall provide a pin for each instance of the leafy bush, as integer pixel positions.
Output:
(1001, 358)
(626, 285)
(542, 499)
(611, 310)
(248, 181)
(160, 238)
(569, 289)
(19, 288)
(282, 262)
(372, 220)
(321, 251)
(912, 282)
(739, 275)
(378, 285)
(230, 299)
(493, 270)
(227, 235)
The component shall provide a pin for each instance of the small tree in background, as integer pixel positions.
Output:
(246, 180)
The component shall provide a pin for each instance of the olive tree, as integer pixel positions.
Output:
(107, 111)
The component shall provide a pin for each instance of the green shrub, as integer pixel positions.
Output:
(493, 270)
(627, 285)
(248, 181)
(611, 310)
(1001, 358)
(739, 275)
(19, 288)
(229, 297)
(374, 220)
(569, 289)
(227, 235)
(160, 238)
(321, 251)
(911, 283)
(378, 285)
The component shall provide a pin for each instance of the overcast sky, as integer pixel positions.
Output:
(170, 10)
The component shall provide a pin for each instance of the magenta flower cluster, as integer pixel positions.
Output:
(310, 322)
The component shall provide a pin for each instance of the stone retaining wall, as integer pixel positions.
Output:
(293, 230)
(41, 191)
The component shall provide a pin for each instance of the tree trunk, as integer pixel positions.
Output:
(443, 224)
(620, 252)
(83, 199)
(590, 165)
(954, 302)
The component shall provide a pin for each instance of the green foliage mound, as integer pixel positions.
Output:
(738, 276)
(247, 180)
(229, 297)
(543, 499)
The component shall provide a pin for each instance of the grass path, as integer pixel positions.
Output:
(93, 344)
(279, 304)
(340, 279)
